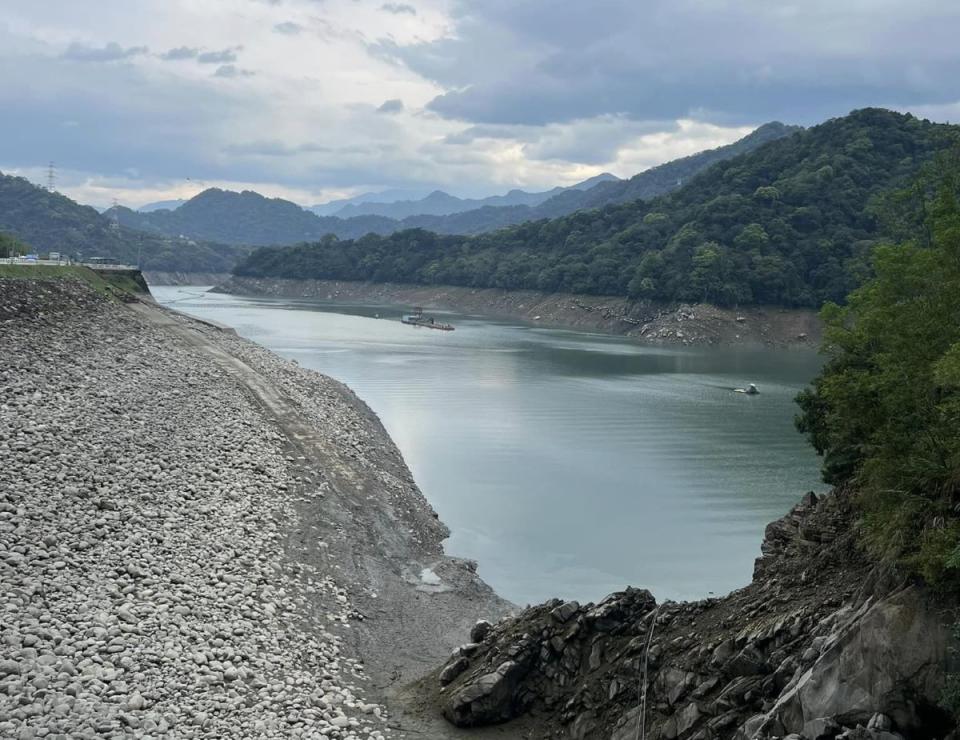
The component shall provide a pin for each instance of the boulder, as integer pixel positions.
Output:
(881, 659)
(480, 630)
(452, 670)
(489, 699)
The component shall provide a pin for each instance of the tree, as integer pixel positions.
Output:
(10, 246)
(885, 411)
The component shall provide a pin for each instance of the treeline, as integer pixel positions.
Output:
(791, 223)
(885, 411)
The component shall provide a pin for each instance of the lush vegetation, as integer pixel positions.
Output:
(250, 218)
(53, 222)
(885, 411)
(662, 179)
(10, 246)
(791, 223)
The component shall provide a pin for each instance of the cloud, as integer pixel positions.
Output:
(394, 105)
(112, 52)
(224, 56)
(504, 94)
(288, 27)
(231, 71)
(544, 61)
(179, 53)
(274, 148)
(398, 8)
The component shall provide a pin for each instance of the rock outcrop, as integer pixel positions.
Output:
(821, 644)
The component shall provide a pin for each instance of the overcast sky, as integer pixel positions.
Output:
(317, 99)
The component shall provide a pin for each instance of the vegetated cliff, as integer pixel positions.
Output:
(822, 644)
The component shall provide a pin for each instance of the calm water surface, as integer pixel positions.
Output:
(567, 464)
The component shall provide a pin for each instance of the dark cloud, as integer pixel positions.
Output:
(399, 8)
(181, 52)
(224, 56)
(543, 61)
(231, 71)
(394, 105)
(289, 28)
(110, 53)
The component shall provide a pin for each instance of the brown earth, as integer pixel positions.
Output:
(698, 323)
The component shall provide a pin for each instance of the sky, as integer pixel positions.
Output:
(314, 100)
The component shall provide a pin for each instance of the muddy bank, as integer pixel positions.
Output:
(200, 539)
(185, 278)
(680, 324)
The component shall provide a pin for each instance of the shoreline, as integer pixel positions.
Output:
(329, 526)
(683, 324)
(202, 539)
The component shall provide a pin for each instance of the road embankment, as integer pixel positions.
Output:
(688, 324)
(200, 539)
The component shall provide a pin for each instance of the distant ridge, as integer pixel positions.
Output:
(439, 203)
(249, 218)
(51, 221)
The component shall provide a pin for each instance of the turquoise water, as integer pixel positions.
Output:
(565, 463)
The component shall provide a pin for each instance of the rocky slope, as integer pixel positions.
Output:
(822, 644)
(199, 539)
(696, 324)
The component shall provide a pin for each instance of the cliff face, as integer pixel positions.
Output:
(821, 643)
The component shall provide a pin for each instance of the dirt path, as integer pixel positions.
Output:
(414, 604)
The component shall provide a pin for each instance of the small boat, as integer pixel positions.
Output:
(750, 390)
(418, 319)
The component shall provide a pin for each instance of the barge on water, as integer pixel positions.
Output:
(418, 319)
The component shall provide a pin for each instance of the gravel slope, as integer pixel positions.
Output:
(199, 539)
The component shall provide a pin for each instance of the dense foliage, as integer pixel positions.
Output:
(792, 223)
(10, 246)
(248, 218)
(50, 221)
(885, 411)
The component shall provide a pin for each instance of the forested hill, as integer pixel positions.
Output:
(251, 218)
(661, 179)
(51, 221)
(790, 223)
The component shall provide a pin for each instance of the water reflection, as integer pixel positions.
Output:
(568, 464)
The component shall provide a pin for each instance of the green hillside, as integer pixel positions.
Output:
(51, 221)
(249, 218)
(790, 223)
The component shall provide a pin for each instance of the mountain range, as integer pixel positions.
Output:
(791, 222)
(51, 221)
(249, 218)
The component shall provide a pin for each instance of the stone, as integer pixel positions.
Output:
(687, 718)
(487, 699)
(480, 630)
(566, 610)
(452, 670)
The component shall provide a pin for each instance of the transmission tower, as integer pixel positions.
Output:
(115, 216)
(51, 177)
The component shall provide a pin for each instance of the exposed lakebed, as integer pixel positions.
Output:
(567, 464)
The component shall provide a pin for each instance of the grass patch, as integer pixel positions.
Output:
(108, 288)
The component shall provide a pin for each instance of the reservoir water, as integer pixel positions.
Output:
(565, 463)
